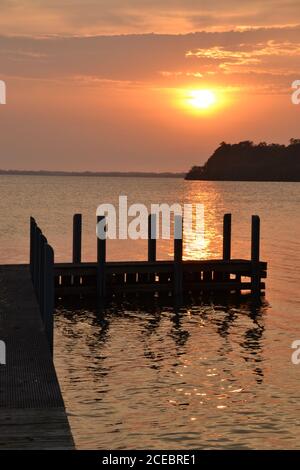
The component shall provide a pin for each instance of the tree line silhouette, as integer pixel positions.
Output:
(246, 161)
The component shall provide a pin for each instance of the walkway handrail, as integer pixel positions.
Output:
(42, 274)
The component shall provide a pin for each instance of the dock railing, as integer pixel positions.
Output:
(42, 275)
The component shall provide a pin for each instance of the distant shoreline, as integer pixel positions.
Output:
(129, 174)
(245, 180)
(92, 173)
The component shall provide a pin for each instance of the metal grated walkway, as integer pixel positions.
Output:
(32, 413)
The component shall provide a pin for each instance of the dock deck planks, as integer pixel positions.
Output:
(32, 412)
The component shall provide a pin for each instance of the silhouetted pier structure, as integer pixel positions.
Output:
(104, 278)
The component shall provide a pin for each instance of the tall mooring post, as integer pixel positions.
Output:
(48, 295)
(101, 256)
(226, 242)
(152, 237)
(227, 237)
(255, 253)
(77, 238)
(178, 250)
(33, 228)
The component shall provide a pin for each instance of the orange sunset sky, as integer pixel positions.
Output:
(106, 85)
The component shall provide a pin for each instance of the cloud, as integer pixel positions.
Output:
(270, 55)
(217, 58)
(95, 17)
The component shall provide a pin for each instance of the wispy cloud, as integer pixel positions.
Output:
(268, 57)
(90, 17)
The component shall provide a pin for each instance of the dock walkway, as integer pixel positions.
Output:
(32, 412)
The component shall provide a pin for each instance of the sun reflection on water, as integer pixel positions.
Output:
(208, 245)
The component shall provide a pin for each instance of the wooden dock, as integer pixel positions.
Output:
(103, 278)
(32, 412)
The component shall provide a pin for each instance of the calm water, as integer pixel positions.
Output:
(210, 375)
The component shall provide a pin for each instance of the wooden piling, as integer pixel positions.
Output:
(32, 241)
(255, 238)
(226, 242)
(38, 262)
(101, 260)
(35, 256)
(43, 242)
(152, 237)
(255, 252)
(227, 237)
(48, 296)
(77, 238)
(178, 249)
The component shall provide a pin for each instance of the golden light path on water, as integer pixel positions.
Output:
(206, 244)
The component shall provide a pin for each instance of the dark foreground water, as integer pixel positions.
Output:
(212, 374)
(201, 377)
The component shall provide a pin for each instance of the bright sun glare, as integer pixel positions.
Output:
(201, 99)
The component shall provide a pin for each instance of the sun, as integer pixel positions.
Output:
(199, 102)
(201, 99)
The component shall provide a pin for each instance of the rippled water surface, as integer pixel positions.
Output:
(212, 373)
